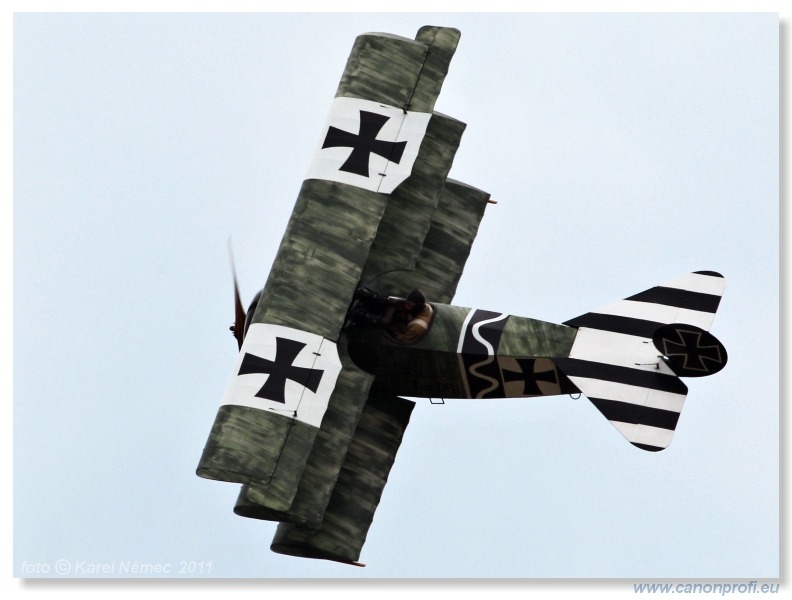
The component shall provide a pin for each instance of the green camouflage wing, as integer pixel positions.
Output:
(423, 241)
(294, 461)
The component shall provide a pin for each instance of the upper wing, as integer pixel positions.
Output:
(295, 413)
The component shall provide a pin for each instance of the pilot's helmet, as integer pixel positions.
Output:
(417, 297)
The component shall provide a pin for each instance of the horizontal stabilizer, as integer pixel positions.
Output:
(616, 363)
(692, 299)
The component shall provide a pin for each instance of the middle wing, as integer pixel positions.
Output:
(298, 426)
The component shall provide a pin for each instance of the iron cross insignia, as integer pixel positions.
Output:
(364, 143)
(280, 370)
(689, 347)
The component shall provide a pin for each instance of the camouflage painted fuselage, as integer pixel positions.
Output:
(466, 353)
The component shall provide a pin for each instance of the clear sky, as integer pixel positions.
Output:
(624, 150)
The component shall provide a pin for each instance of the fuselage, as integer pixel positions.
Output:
(466, 353)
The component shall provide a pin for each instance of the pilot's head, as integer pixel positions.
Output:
(416, 301)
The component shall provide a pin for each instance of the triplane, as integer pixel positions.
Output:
(356, 315)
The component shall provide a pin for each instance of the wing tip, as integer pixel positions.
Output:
(709, 273)
(648, 447)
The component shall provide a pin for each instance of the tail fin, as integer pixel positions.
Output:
(627, 357)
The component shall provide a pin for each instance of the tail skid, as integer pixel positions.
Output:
(627, 357)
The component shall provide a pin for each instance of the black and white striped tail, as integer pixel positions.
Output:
(619, 363)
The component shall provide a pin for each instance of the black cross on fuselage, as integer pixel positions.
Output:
(281, 369)
(529, 378)
(364, 143)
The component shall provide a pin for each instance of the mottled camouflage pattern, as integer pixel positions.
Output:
(227, 455)
(530, 338)
(321, 257)
(398, 71)
(409, 213)
(357, 492)
(359, 487)
(309, 288)
(447, 245)
(433, 363)
(325, 459)
(315, 273)
(417, 207)
(442, 43)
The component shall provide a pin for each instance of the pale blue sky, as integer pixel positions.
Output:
(623, 150)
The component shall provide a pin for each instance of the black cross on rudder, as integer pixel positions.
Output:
(696, 356)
